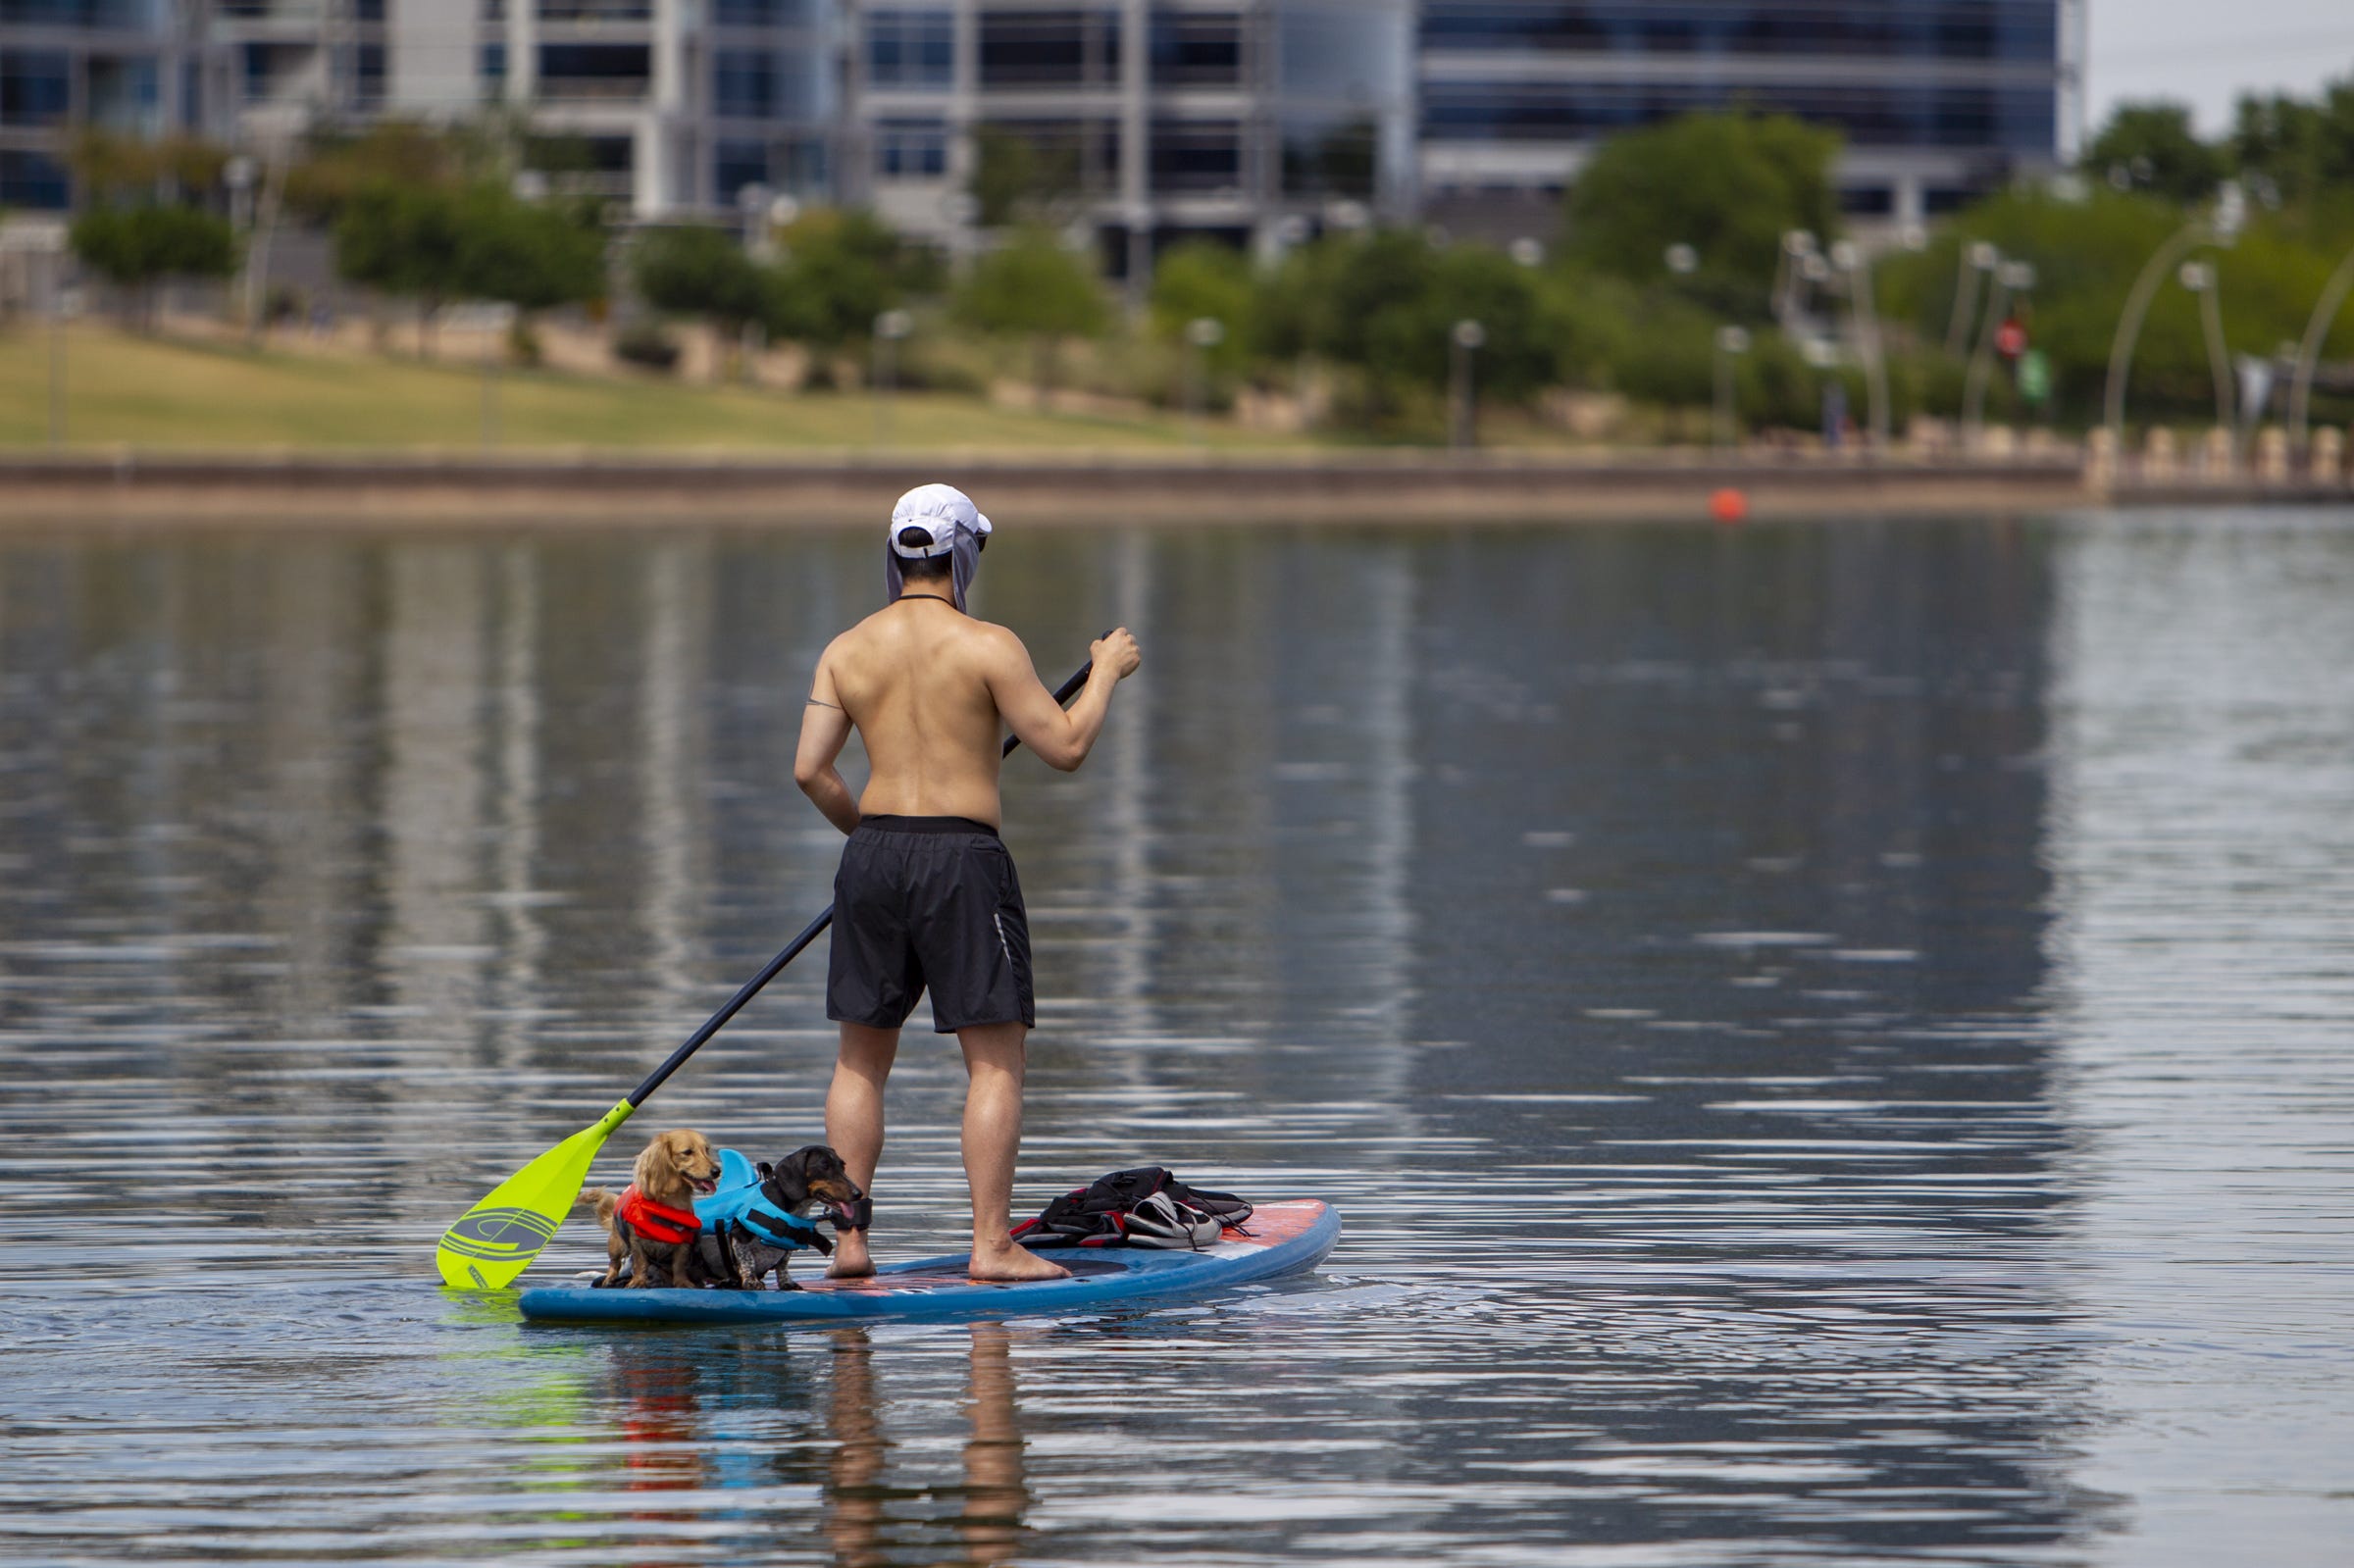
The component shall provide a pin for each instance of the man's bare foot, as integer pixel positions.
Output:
(851, 1261)
(1010, 1264)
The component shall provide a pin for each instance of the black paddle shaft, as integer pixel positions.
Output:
(793, 949)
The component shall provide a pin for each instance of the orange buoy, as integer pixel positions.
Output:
(1728, 506)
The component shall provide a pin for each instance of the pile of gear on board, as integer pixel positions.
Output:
(752, 1217)
(1143, 1207)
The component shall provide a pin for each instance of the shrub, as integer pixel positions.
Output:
(699, 271)
(138, 247)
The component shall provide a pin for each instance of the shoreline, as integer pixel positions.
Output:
(134, 488)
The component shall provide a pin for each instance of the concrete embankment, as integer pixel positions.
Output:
(1362, 488)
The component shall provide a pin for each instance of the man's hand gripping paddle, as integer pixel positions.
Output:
(497, 1239)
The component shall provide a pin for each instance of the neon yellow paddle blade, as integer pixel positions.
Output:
(498, 1237)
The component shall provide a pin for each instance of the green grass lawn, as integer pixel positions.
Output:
(159, 393)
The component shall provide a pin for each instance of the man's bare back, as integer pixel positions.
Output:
(928, 688)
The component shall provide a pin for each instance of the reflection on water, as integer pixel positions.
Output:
(1828, 1042)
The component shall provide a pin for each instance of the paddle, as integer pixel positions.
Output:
(497, 1240)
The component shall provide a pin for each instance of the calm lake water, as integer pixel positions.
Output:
(1831, 1043)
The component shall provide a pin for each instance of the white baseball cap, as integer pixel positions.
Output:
(940, 510)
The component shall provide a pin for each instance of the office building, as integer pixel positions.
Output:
(670, 108)
(1143, 122)
(132, 67)
(1938, 100)
(675, 107)
(1137, 122)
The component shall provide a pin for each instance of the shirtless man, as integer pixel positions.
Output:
(927, 895)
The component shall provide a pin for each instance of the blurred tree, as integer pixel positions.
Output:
(2154, 148)
(2294, 150)
(404, 242)
(532, 255)
(1290, 303)
(1201, 279)
(699, 271)
(1033, 286)
(1730, 186)
(1407, 339)
(137, 248)
(842, 269)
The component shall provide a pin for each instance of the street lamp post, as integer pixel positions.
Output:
(501, 318)
(57, 348)
(2199, 277)
(1731, 343)
(2011, 279)
(891, 329)
(237, 175)
(1851, 262)
(751, 204)
(1977, 257)
(1201, 334)
(1467, 337)
(1791, 266)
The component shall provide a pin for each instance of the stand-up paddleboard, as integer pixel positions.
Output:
(1280, 1238)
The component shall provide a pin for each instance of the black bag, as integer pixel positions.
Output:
(1143, 1207)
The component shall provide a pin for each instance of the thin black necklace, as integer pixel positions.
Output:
(934, 597)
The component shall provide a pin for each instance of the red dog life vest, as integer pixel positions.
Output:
(657, 1222)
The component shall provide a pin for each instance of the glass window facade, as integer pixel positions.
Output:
(596, 10)
(35, 86)
(736, 164)
(910, 48)
(911, 149)
(125, 94)
(2018, 119)
(2023, 30)
(1050, 48)
(595, 69)
(761, 13)
(1196, 49)
(1196, 157)
(128, 14)
(1327, 53)
(743, 84)
(33, 181)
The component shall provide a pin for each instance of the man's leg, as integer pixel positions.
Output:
(993, 1055)
(855, 1125)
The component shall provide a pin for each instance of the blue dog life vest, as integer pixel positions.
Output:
(739, 1198)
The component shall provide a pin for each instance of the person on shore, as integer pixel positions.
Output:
(926, 897)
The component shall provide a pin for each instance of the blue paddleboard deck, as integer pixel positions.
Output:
(1281, 1239)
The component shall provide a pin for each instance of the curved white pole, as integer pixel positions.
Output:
(2324, 312)
(2137, 305)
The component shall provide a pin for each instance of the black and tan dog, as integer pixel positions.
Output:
(651, 1222)
(764, 1225)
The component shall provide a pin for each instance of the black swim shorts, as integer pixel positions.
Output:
(927, 901)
